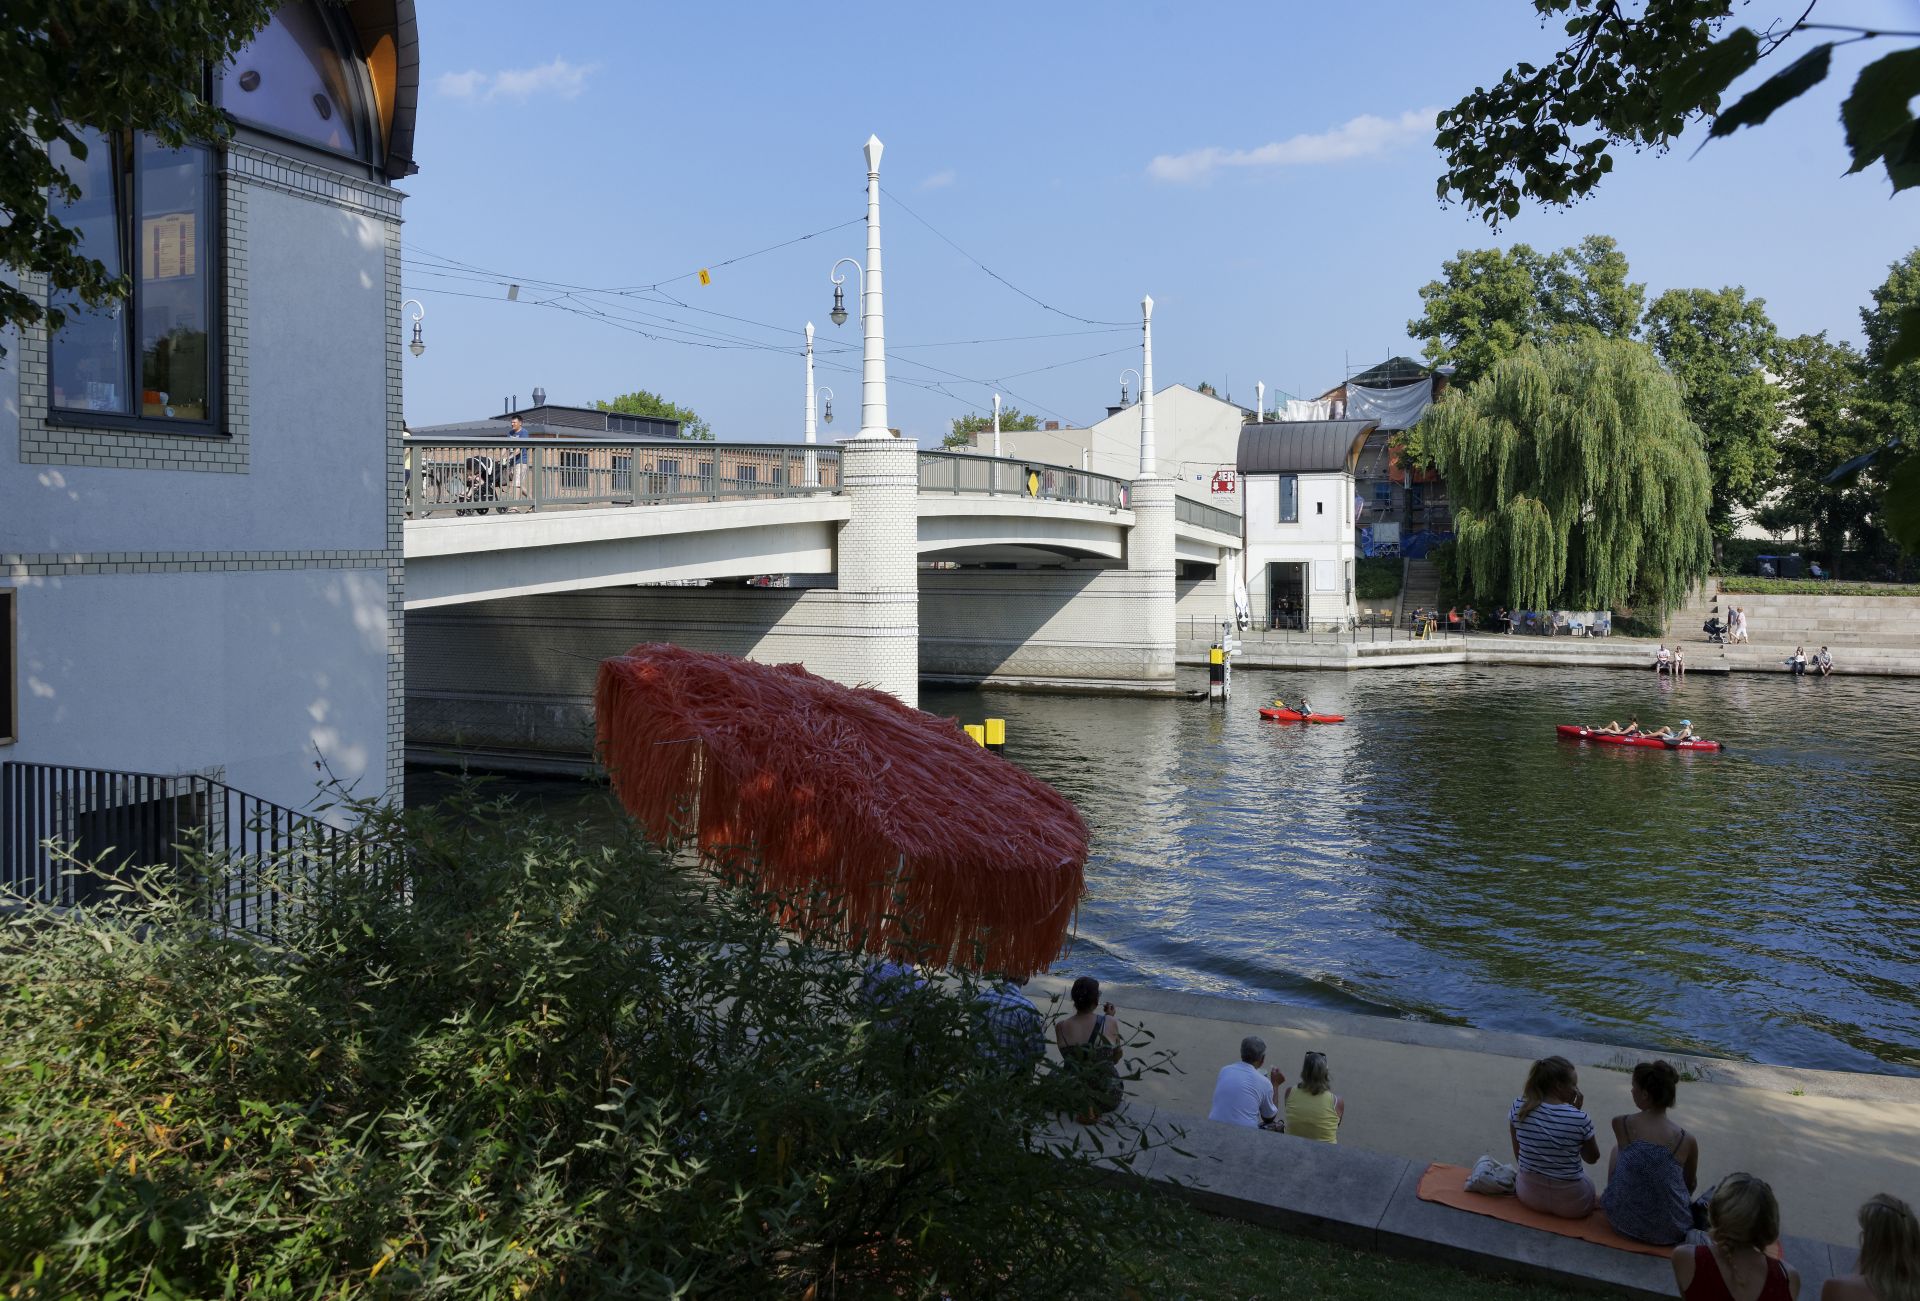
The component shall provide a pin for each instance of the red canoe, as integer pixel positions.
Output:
(1644, 742)
(1291, 716)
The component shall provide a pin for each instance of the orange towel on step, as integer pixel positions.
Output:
(1447, 1185)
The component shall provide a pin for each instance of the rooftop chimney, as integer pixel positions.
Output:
(539, 396)
(1053, 424)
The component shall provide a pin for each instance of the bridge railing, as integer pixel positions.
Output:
(473, 476)
(968, 472)
(1201, 515)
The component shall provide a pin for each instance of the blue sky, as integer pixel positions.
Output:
(611, 145)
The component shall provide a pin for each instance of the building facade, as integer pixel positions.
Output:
(1298, 481)
(201, 488)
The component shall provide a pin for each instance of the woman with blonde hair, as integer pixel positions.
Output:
(1889, 1267)
(1744, 1220)
(1551, 1137)
(1314, 1110)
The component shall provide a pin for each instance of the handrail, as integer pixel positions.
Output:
(475, 476)
(1201, 515)
(127, 822)
(996, 476)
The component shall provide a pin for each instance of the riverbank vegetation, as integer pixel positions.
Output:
(1576, 478)
(1813, 587)
(1377, 578)
(509, 1059)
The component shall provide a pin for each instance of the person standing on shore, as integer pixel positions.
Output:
(1679, 667)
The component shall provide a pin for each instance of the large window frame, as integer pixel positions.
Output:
(364, 110)
(1287, 490)
(126, 147)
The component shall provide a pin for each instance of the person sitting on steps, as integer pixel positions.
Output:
(1655, 1164)
(1314, 1110)
(1552, 1137)
(1090, 1046)
(1243, 1095)
(1889, 1264)
(1744, 1217)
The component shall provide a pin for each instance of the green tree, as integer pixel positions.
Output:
(1635, 77)
(1012, 420)
(105, 65)
(642, 403)
(1208, 388)
(1891, 394)
(1490, 302)
(1719, 344)
(1820, 384)
(1576, 477)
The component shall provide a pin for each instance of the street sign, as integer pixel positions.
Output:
(1223, 481)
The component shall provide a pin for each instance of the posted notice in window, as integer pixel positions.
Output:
(168, 247)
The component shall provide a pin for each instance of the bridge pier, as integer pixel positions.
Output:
(877, 563)
(1150, 560)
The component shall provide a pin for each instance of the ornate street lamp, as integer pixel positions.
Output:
(873, 365)
(417, 345)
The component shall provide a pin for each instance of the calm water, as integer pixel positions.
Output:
(1442, 855)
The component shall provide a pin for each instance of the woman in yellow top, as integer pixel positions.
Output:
(1314, 1110)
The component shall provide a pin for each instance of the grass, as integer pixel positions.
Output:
(1813, 587)
(1192, 1254)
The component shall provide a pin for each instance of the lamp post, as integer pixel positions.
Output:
(416, 345)
(813, 458)
(873, 364)
(996, 426)
(1147, 459)
(1123, 383)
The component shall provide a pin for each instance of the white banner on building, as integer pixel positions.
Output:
(1394, 408)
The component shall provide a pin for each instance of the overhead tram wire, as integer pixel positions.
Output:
(1037, 302)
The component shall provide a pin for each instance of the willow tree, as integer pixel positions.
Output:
(1576, 478)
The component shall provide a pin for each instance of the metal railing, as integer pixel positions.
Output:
(1201, 515)
(475, 476)
(968, 472)
(54, 817)
(1364, 628)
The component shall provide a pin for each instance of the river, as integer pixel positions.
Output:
(1442, 855)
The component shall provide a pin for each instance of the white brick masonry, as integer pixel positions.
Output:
(879, 561)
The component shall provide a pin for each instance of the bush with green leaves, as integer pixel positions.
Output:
(1376, 578)
(512, 1059)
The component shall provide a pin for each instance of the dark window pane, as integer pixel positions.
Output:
(89, 354)
(291, 80)
(1289, 499)
(171, 297)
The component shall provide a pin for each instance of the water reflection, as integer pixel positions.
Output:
(1441, 854)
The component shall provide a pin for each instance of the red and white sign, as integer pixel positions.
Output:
(1223, 481)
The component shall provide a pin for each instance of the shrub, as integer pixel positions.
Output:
(1814, 587)
(505, 1062)
(1376, 578)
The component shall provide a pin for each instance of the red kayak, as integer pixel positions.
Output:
(1644, 742)
(1292, 716)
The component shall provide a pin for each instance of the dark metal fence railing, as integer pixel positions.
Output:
(969, 472)
(1201, 515)
(54, 817)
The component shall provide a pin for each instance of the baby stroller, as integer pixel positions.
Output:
(480, 483)
(1715, 630)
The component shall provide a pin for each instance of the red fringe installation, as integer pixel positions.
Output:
(846, 790)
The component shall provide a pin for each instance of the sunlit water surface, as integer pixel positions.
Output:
(1442, 855)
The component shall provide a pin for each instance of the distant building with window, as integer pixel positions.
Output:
(1297, 478)
(201, 488)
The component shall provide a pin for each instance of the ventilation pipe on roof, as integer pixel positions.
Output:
(539, 396)
(1260, 402)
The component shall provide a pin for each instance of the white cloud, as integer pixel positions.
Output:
(940, 180)
(1360, 137)
(558, 79)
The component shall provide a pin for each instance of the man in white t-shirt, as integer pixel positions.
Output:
(1244, 1096)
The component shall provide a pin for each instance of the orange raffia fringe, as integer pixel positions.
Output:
(847, 791)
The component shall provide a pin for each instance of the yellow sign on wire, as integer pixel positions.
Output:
(706, 276)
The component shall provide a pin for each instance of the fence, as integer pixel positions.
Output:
(449, 476)
(54, 816)
(1201, 515)
(1357, 631)
(968, 472)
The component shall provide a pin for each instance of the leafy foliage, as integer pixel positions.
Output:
(508, 1061)
(640, 402)
(1012, 420)
(1489, 303)
(1891, 394)
(1376, 578)
(1577, 479)
(1821, 382)
(77, 64)
(1719, 344)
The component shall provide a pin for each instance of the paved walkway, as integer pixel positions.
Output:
(1825, 1140)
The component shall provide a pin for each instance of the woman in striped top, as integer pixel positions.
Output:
(1552, 1138)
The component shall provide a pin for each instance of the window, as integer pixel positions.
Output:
(1289, 499)
(779, 476)
(9, 692)
(146, 212)
(622, 473)
(298, 79)
(746, 474)
(573, 471)
(1319, 508)
(1383, 494)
